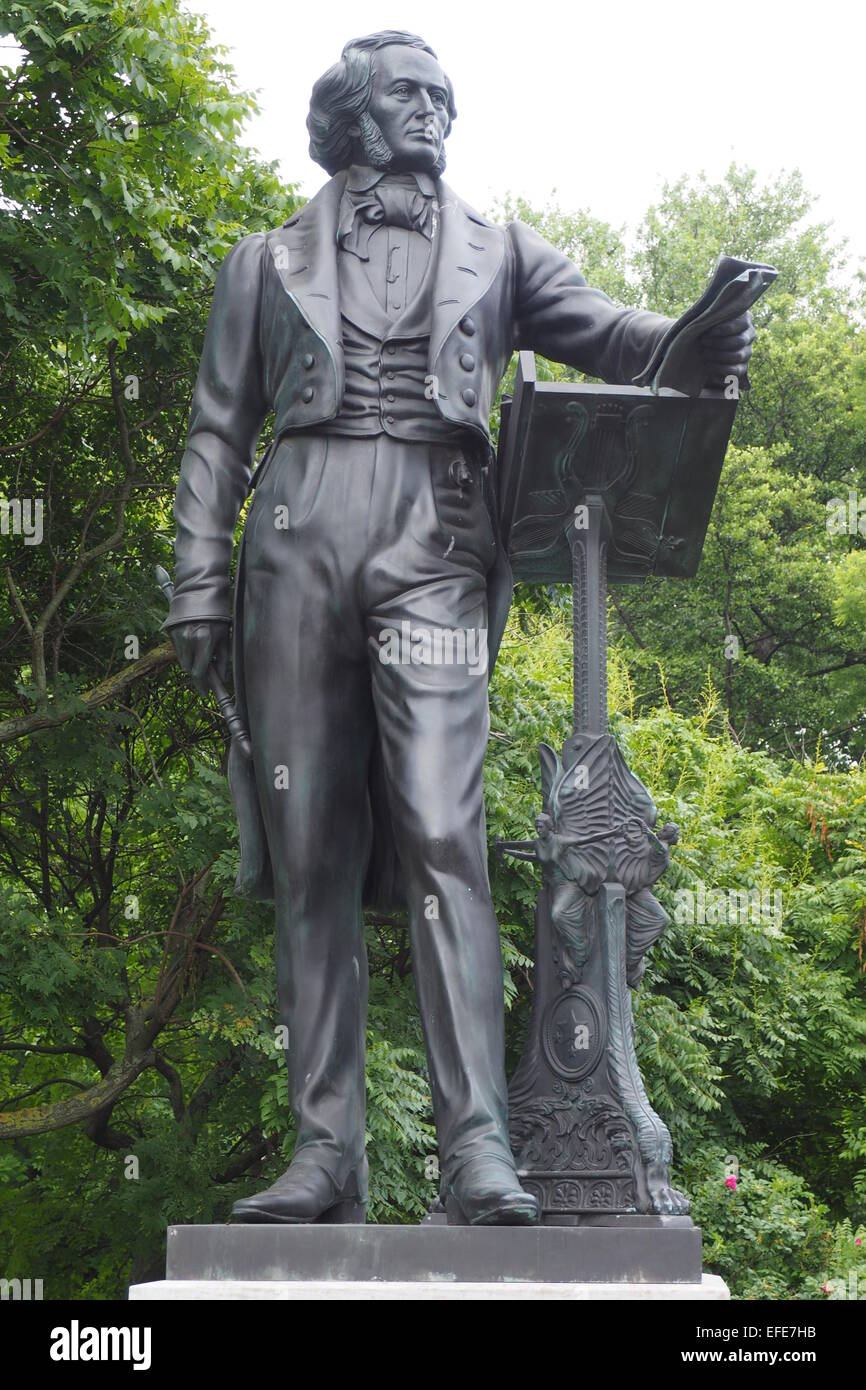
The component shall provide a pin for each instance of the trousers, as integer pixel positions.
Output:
(365, 616)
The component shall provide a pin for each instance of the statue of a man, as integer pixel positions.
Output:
(372, 592)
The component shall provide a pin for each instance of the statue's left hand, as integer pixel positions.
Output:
(726, 349)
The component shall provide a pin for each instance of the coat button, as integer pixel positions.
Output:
(390, 349)
(467, 362)
(307, 394)
(391, 397)
(469, 396)
(389, 419)
(467, 326)
(309, 360)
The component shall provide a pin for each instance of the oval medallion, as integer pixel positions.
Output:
(574, 1033)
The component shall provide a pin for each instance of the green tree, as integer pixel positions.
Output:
(140, 1064)
(768, 576)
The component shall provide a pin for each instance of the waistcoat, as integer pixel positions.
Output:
(388, 388)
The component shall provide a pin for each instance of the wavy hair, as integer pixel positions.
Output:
(341, 96)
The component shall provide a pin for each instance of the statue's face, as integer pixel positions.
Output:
(409, 103)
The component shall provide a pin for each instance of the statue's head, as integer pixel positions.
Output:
(386, 103)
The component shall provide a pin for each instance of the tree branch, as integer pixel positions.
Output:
(42, 1119)
(102, 694)
(143, 1025)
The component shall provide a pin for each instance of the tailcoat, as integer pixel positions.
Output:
(274, 345)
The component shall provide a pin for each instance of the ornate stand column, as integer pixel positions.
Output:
(583, 1131)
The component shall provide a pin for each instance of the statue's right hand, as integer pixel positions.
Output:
(197, 645)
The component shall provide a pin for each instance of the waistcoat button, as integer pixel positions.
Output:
(307, 394)
(469, 396)
(467, 361)
(467, 326)
(309, 360)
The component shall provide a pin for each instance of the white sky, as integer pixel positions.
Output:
(600, 103)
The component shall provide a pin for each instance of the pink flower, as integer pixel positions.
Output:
(731, 1182)
(825, 1288)
(859, 1240)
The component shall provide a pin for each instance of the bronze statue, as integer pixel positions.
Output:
(376, 325)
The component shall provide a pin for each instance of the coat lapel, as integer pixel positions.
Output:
(470, 254)
(305, 257)
(304, 250)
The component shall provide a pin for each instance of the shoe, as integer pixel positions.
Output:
(486, 1191)
(306, 1193)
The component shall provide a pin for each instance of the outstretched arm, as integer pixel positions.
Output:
(560, 316)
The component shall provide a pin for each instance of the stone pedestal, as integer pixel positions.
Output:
(595, 1257)
(711, 1288)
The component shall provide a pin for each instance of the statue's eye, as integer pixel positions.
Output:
(401, 91)
(437, 98)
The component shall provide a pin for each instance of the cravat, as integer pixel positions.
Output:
(388, 202)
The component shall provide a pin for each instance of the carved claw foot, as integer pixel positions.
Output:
(666, 1201)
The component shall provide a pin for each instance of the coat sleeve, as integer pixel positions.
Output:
(558, 315)
(228, 410)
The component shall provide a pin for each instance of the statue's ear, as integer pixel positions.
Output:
(549, 767)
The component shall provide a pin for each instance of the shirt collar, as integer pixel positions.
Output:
(361, 177)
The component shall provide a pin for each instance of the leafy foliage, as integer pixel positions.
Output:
(140, 1058)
